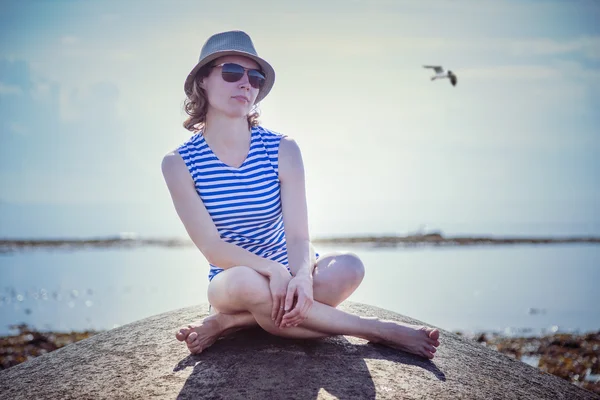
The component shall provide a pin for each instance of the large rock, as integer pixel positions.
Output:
(144, 360)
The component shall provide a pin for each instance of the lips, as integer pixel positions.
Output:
(242, 98)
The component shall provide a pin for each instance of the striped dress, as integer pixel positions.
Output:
(244, 203)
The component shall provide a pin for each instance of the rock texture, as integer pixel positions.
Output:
(144, 360)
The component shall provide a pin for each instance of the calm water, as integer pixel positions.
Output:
(468, 289)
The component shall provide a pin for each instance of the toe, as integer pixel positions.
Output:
(434, 334)
(191, 337)
(197, 349)
(182, 334)
(428, 354)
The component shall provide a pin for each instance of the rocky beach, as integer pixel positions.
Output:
(572, 357)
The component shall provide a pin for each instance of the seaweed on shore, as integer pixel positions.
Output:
(574, 358)
(29, 343)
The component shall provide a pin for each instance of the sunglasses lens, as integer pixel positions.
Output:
(257, 80)
(232, 72)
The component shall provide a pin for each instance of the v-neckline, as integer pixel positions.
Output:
(225, 164)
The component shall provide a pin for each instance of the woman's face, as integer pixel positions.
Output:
(234, 99)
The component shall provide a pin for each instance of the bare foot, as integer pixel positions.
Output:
(203, 334)
(419, 340)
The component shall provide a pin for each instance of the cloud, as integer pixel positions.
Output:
(10, 89)
(85, 157)
(14, 76)
(88, 103)
(110, 18)
(459, 51)
(17, 128)
(587, 46)
(70, 40)
(528, 72)
(41, 91)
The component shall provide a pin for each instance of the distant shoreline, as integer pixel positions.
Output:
(8, 245)
(437, 239)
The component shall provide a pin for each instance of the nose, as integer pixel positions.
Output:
(244, 83)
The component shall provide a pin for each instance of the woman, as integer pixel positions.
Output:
(239, 190)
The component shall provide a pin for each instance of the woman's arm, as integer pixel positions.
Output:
(295, 214)
(295, 219)
(199, 224)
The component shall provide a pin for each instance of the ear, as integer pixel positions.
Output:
(200, 81)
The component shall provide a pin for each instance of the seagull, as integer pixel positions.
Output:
(440, 73)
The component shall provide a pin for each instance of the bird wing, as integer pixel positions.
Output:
(437, 68)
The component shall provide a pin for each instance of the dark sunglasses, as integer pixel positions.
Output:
(234, 72)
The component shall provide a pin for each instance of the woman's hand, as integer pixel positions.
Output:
(278, 283)
(301, 288)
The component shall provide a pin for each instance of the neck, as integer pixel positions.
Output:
(220, 128)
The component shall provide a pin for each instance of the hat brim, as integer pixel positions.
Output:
(264, 66)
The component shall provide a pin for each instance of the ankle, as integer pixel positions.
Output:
(222, 320)
(375, 328)
(380, 329)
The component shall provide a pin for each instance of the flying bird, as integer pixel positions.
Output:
(441, 73)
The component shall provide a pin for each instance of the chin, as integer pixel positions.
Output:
(238, 113)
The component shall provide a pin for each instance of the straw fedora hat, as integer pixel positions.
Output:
(232, 43)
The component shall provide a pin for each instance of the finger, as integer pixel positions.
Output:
(309, 305)
(298, 321)
(289, 299)
(294, 322)
(302, 314)
(281, 310)
(275, 308)
(292, 315)
(299, 305)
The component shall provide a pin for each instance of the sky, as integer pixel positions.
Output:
(91, 97)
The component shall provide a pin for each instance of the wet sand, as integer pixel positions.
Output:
(574, 358)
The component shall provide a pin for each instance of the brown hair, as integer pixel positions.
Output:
(196, 105)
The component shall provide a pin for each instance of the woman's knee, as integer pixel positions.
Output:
(240, 285)
(354, 269)
(337, 276)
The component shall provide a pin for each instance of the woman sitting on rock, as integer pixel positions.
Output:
(239, 190)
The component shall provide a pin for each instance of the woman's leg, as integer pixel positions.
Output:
(335, 277)
(242, 289)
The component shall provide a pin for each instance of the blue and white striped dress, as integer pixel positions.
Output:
(245, 202)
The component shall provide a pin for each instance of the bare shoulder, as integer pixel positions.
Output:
(289, 151)
(290, 159)
(173, 167)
